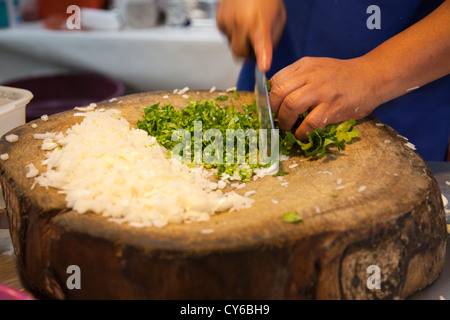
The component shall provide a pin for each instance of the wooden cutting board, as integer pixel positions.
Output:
(387, 221)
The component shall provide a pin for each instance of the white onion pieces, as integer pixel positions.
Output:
(122, 173)
(32, 171)
(12, 138)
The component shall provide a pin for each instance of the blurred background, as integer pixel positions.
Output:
(110, 48)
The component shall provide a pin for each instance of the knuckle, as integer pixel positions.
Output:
(238, 48)
(313, 121)
(306, 60)
(289, 103)
(276, 89)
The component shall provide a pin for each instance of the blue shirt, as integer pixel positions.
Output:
(338, 29)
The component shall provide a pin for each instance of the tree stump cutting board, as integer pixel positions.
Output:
(371, 212)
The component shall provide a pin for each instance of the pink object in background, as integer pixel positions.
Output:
(7, 293)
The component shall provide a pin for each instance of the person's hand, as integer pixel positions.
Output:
(332, 90)
(256, 24)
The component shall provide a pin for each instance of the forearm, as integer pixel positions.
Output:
(413, 58)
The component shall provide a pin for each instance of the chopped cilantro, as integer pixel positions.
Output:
(319, 141)
(292, 217)
(162, 122)
(222, 98)
(268, 85)
(280, 173)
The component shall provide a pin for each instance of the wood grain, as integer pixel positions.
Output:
(397, 223)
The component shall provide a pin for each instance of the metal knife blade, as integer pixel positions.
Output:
(263, 107)
(262, 100)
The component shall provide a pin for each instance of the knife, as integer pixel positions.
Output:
(264, 112)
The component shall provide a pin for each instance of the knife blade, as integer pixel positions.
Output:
(262, 100)
(263, 109)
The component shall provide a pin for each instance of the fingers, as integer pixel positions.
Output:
(284, 83)
(261, 40)
(253, 24)
(221, 18)
(240, 44)
(332, 90)
(316, 119)
(294, 104)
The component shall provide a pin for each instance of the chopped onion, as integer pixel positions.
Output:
(249, 193)
(444, 200)
(32, 171)
(43, 136)
(12, 138)
(410, 145)
(108, 168)
(84, 109)
(183, 91)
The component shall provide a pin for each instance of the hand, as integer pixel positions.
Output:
(332, 90)
(256, 24)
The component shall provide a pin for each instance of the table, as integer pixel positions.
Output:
(440, 289)
(159, 58)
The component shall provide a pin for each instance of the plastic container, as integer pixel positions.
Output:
(9, 13)
(57, 93)
(13, 102)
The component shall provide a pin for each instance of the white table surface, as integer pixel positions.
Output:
(160, 58)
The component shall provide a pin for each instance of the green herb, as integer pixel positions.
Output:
(334, 196)
(222, 98)
(287, 143)
(292, 217)
(163, 122)
(268, 85)
(319, 141)
(280, 173)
